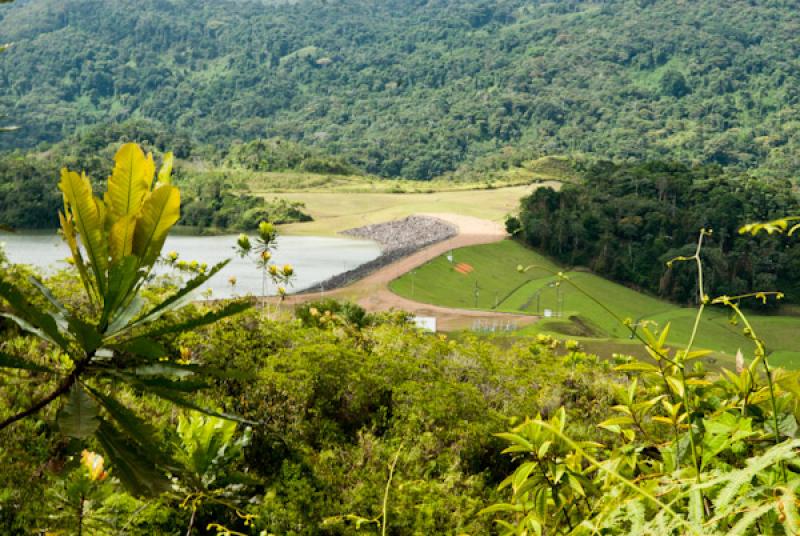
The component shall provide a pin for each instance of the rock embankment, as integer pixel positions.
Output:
(397, 239)
(413, 231)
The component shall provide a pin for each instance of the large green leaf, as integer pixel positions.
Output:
(210, 317)
(48, 295)
(182, 296)
(134, 466)
(149, 349)
(122, 280)
(30, 328)
(13, 362)
(78, 417)
(178, 399)
(137, 429)
(122, 320)
(145, 357)
(162, 383)
(29, 318)
(85, 333)
(161, 210)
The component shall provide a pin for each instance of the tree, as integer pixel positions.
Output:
(111, 342)
(674, 84)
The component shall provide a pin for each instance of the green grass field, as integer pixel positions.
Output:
(576, 314)
(337, 211)
(339, 202)
(495, 273)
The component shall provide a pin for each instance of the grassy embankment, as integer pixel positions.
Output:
(342, 202)
(501, 287)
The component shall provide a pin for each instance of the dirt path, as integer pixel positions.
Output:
(372, 292)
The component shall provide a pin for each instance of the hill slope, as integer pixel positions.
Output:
(416, 88)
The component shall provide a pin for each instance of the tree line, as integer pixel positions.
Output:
(29, 197)
(625, 221)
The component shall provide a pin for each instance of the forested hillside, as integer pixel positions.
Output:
(418, 88)
(627, 221)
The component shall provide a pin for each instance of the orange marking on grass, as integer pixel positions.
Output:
(464, 268)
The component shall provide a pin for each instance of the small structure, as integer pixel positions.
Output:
(425, 323)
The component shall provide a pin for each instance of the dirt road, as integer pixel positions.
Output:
(373, 292)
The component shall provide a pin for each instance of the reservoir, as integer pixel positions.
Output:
(314, 258)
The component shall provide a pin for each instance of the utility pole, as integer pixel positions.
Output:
(559, 300)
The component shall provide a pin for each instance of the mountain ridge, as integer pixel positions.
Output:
(416, 88)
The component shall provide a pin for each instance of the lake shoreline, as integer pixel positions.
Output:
(314, 258)
(398, 239)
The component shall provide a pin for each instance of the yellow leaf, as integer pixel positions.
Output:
(165, 173)
(161, 210)
(676, 385)
(68, 232)
(696, 354)
(616, 421)
(638, 366)
(120, 239)
(88, 215)
(662, 338)
(622, 409)
(130, 181)
(698, 381)
(663, 420)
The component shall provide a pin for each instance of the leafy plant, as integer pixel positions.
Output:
(265, 244)
(549, 485)
(112, 342)
(78, 498)
(382, 521)
(206, 450)
(692, 453)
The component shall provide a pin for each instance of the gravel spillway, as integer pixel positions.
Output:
(397, 239)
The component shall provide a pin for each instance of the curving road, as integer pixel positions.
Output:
(372, 292)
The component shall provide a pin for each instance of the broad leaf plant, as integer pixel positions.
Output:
(116, 343)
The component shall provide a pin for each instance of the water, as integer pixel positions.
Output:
(314, 258)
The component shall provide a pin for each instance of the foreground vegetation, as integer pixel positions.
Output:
(332, 406)
(128, 409)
